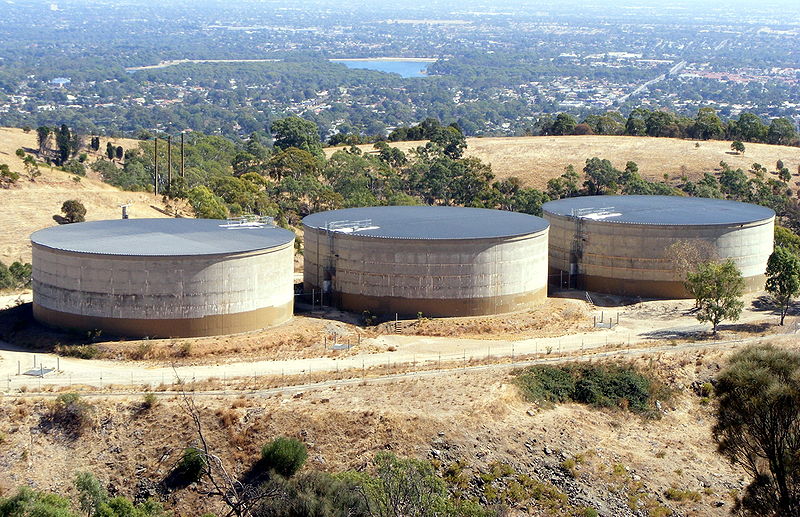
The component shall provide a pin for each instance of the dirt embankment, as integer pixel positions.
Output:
(468, 424)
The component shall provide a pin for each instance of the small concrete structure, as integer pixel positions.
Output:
(626, 244)
(163, 277)
(434, 260)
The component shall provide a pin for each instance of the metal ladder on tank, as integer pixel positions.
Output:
(576, 250)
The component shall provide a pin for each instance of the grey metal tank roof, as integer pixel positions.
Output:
(161, 237)
(659, 210)
(427, 222)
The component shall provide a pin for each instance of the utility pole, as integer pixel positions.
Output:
(169, 162)
(155, 165)
(183, 170)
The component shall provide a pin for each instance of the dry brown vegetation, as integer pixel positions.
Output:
(536, 159)
(30, 205)
(469, 424)
(556, 317)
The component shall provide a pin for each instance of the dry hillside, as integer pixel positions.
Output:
(474, 422)
(30, 205)
(536, 159)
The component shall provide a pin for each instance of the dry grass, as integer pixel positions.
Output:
(477, 418)
(537, 159)
(556, 317)
(30, 206)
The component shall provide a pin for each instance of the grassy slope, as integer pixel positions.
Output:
(537, 159)
(30, 206)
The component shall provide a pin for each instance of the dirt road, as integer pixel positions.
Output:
(640, 331)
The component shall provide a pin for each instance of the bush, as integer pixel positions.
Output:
(71, 414)
(599, 385)
(31, 502)
(192, 464)
(284, 455)
(74, 211)
(149, 401)
(79, 351)
(16, 276)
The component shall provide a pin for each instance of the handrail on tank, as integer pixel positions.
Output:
(249, 221)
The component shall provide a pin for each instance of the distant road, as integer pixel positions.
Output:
(175, 62)
(674, 70)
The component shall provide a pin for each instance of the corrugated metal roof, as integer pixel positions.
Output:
(161, 237)
(427, 222)
(659, 210)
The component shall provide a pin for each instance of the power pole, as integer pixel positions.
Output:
(183, 170)
(155, 166)
(169, 162)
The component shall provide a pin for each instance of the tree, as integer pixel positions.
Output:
(707, 124)
(119, 152)
(43, 139)
(737, 147)
(74, 211)
(717, 288)
(451, 140)
(783, 278)
(784, 174)
(64, 142)
(7, 176)
(31, 167)
(564, 124)
(749, 128)
(206, 204)
(299, 133)
(601, 176)
(758, 427)
(110, 150)
(781, 132)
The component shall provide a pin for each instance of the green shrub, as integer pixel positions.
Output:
(29, 502)
(284, 455)
(191, 466)
(677, 494)
(149, 401)
(599, 385)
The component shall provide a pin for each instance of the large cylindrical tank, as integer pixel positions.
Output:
(633, 245)
(163, 277)
(438, 261)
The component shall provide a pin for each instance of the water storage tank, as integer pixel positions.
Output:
(630, 245)
(163, 277)
(440, 261)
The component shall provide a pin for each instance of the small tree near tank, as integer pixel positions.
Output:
(717, 288)
(783, 278)
(74, 211)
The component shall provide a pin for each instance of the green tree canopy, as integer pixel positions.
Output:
(758, 427)
(297, 132)
(783, 278)
(717, 287)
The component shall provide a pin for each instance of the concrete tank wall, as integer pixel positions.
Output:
(163, 296)
(630, 259)
(437, 277)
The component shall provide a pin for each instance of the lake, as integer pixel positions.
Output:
(402, 67)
